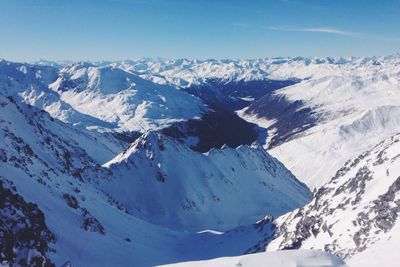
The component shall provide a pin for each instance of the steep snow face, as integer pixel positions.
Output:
(41, 163)
(160, 194)
(354, 214)
(29, 83)
(122, 100)
(291, 258)
(165, 182)
(101, 97)
(45, 167)
(341, 110)
(339, 107)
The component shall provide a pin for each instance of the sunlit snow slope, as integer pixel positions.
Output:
(122, 99)
(165, 182)
(339, 110)
(62, 199)
(101, 97)
(293, 258)
(107, 153)
(355, 214)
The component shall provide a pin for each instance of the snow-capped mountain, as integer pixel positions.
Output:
(29, 83)
(355, 213)
(334, 103)
(187, 72)
(129, 156)
(164, 181)
(78, 203)
(330, 109)
(120, 105)
(104, 98)
(122, 99)
(337, 111)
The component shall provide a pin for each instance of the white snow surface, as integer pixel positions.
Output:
(99, 97)
(288, 258)
(142, 195)
(355, 99)
(123, 99)
(165, 182)
(91, 214)
(355, 214)
(382, 253)
(357, 103)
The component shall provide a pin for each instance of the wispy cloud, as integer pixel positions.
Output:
(337, 31)
(317, 29)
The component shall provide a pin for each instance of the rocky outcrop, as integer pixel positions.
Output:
(24, 237)
(357, 208)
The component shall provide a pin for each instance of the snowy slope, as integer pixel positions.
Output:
(381, 253)
(41, 162)
(101, 98)
(123, 100)
(165, 182)
(29, 83)
(338, 108)
(159, 202)
(339, 111)
(291, 258)
(353, 215)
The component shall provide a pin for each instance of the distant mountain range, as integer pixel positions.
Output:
(160, 161)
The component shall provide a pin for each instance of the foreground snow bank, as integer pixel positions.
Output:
(284, 258)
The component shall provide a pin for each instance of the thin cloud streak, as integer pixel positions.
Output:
(317, 29)
(337, 32)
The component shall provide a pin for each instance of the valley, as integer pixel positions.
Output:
(155, 160)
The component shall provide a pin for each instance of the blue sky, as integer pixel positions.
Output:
(123, 29)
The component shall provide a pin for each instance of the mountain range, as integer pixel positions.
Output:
(159, 161)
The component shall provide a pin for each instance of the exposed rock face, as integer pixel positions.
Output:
(24, 236)
(266, 228)
(357, 208)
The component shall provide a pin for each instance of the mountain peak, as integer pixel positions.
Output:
(192, 189)
(149, 144)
